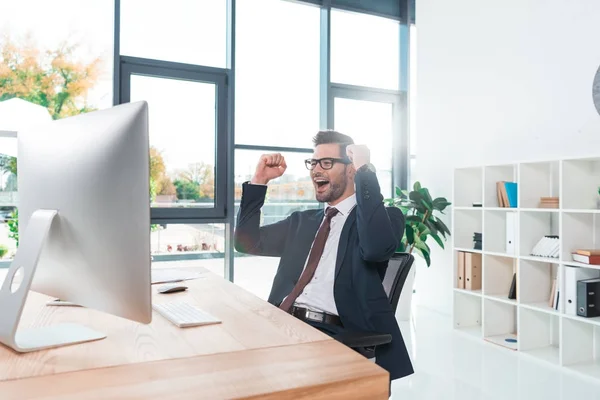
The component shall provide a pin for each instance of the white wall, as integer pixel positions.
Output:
(500, 81)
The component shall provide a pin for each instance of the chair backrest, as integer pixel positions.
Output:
(395, 276)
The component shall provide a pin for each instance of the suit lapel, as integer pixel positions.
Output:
(344, 241)
(305, 241)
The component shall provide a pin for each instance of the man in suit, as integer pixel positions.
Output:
(333, 260)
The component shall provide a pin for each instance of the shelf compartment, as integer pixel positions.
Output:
(581, 347)
(579, 231)
(536, 282)
(500, 323)
(468, 186)
(539, 335)
(533, 226)
(467, 313)
(580, 180)
(537, 180)
(498, 276)
(493, 175)
(466, 223)
(495, 238)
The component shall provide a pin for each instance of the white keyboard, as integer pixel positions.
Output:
(184, 314)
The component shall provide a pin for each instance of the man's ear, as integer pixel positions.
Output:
(351, 171)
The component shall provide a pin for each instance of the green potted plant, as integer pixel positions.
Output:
(3, 251)
(422, 224)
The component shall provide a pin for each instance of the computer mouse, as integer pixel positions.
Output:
(172, 288)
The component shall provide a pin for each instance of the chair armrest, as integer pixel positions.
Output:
(363, 339)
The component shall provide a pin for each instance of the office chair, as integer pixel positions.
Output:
(395, 276)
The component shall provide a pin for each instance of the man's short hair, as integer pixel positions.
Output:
(331, 136)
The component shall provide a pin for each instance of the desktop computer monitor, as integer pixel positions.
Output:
(84, 222)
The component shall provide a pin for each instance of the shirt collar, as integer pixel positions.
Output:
(345, 206)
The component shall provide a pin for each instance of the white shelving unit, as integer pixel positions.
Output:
(528, 324)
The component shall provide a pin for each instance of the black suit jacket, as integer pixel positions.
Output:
(369, 238)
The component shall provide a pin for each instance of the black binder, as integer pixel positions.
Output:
(588, 298)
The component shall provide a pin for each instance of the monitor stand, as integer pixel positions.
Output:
(26, 259)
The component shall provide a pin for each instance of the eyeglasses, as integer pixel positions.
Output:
(325, 163)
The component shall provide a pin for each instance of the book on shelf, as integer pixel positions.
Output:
(591, 260)
(549, 202)
(512, 292)
(552, 294)
(507, 194)
(477, 241)
(590, 252)
(548, 246)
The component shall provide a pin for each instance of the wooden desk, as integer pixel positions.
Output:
(257, 352)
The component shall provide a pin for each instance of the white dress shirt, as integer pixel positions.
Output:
(318, 294)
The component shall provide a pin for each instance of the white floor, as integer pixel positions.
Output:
(449, 365)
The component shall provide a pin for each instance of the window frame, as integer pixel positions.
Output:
(400, 159)
(185, 72)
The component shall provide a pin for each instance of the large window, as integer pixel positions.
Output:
(226, 81)
(56, 60)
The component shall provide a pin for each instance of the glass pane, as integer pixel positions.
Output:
(369, 123)
(57, 62)
(182, 139)
(277, 73)
(365, 50)
(185, 31)
(292, 192)
(189, 246)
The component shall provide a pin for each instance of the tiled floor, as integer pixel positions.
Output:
(452, 366)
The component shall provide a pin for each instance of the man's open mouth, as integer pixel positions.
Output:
(321, 182)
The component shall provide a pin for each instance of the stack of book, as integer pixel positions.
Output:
(507, 194)
(548, 202)
(587, 256)
(554, 295)
(477, 240)
(548, 246)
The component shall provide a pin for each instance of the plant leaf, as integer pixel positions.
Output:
(413, 218)
(431, 226)
(440, 204)
(417, 197)
(442, 227)
(398, 191)
(417, 186)
(438, 240)
(423, 229)
(425, 193)
(410, 234)
(427, 205)
(426, 256)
